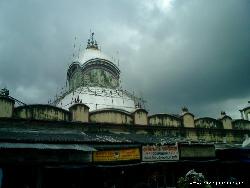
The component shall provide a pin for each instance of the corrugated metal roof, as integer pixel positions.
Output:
(79, 147)
(85, 137)
(50, 134)
(57, 136)
(154, 139)
(227, 146)
(61, 136)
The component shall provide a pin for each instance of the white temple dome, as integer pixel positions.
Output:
(91, 54)
(94, 80)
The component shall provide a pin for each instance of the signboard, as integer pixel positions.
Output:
(160, 153)
(116, 155)
(197, 151)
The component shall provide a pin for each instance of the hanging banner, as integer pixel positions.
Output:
(160, 153)
(116, 155)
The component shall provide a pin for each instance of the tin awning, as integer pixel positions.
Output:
(41, 146)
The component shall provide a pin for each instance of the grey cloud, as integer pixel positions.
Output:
(196, 54)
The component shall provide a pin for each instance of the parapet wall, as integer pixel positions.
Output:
(208, 122)
(241, 124)
(185, 125)
(6, 106)
(140, 117)
(164, 120)
(42, 112)
(80, 113)
(111, 116)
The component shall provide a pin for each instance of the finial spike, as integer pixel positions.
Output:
(91, 42)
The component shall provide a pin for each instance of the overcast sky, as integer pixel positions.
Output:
(175, 53)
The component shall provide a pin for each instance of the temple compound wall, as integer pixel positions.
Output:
(185, 125)
(111, 116)
(42, 112)
(6, 107)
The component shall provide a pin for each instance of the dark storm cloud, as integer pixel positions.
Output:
(202, 60)
(193, 53)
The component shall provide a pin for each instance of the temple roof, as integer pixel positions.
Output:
(99, 98)
(92, 51)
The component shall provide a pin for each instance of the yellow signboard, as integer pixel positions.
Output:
(117, 155)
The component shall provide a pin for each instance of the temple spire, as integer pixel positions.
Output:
(91, 42)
